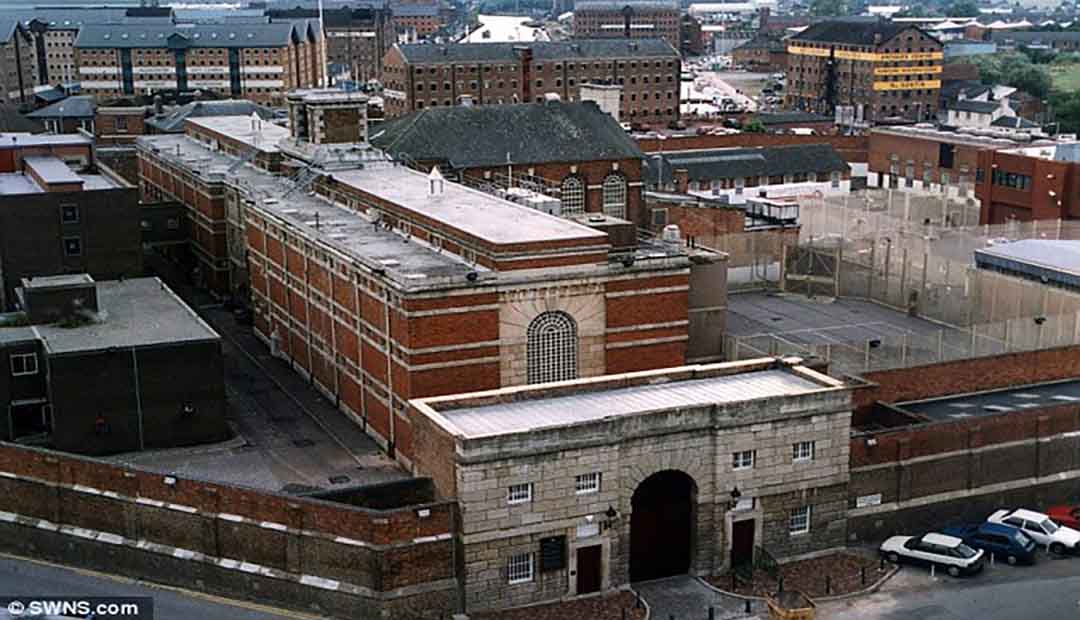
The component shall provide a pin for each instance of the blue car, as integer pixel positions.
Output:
(1004, 542)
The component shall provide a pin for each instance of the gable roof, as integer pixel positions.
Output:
(853, 31)
(8, 28)
(11, 121)
(979, 107)
(1014, 122)
(173, 122)
(547, 50)
(533, 133)
(763, 42)
(741, 163)
(79, 106)
(154, 35)
(619, 5)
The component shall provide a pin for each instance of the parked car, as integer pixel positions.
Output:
(933, 549)
(1069, 516)
(1003, 541)
(1040, 528)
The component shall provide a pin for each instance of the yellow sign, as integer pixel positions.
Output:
(864, 56)
(906, 70)
(911, 85)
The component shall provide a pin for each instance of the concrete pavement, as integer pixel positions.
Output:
(687, 598)
(21, 577)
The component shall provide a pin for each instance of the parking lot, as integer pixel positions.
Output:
(1049, 589)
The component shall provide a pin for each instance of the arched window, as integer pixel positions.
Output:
(573, 196)
(615, 196)
(552, 348)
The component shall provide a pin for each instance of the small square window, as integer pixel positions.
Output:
(72, 246)
(743, 459)
(800, 520)
(802, 451)
(519, 568)
(24, 364)
(69, 214)
(173, 223)
(519, 493)
(587, 483)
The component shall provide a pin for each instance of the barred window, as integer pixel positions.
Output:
(573, 196)
(800, 520)
(587, 483)
(552, 348)
(802, 451)
(519, 568)
(519, 493)
(615, 196)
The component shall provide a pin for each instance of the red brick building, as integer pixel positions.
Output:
(572, 152)
(630, 19)
(764, 52)
(1030, 183)
(419, 77)
(382, 283)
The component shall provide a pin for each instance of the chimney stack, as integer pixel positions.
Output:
(682, 180)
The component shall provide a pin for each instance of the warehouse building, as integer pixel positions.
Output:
(628, 19)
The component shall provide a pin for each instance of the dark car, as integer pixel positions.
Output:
(1003, 541)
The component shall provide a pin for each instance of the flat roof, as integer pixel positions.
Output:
(978, 404)
(51, 169)
(540, 413)
(263, 136)
(1035, 257)
(41, 283)
(12, 183)
(10, 140)
(471, 211)
(11, 335)
(141, 312)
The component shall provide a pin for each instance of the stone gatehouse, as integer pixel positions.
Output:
(579, 486)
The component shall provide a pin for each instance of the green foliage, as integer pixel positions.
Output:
(1066, 107)
(754, 126)
(917, 10)
(1015, 70)
(963, 8)
(828, 8)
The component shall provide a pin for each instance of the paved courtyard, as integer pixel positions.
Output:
(688, 598)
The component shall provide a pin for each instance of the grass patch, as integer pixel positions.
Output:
(1066, 78)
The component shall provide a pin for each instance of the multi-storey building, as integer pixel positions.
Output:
(381, 283)
(420, 19)
(17, 63)
(762, 53)
(572, 152)
(423, 76)
(356, 37)
(877, 68)
(260, 62)
(60, 215)
(54, 32)
(1029, 183)
(639, 19)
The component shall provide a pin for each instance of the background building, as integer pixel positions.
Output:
(882, 68)
(630, 19)
(357, 37)
(1030, 183)
(18, 63)
(423, 76)
(762, 53)
(260, 62)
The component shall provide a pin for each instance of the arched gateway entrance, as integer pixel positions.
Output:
(662, 526)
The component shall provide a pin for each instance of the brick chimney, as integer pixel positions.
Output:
(682, 180)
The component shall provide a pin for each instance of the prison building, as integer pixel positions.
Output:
(593, 484)
(880, 68)
(381, 283)
(421, 77)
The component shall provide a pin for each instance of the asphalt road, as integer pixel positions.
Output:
(20, 577)
(1050, 589)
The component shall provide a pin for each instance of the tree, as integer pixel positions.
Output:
(963, 8)
(1066, 108)
(828, 8)
(754, 126)
(1015, 70)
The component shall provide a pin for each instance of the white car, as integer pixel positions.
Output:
(1040, 528)
(934, 549)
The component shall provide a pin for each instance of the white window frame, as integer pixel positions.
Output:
(587, 483)
(803, 451)
(614, 192)
(64, 207)
(551, 351)
(519, 493)
(520, 568)
(572, 194)
(799, 521)
(743, 460)
(24, 358)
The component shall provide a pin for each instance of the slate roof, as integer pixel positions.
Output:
(173, 122)
(736, 163)
(550, 50)
(534, 133)
(7, 29)
(416, 10)
(1014, 122)
(853, 31)
(979, 107)
(136, 35)
(80, 106)
(1034, 37)
(761, 42)
(971, 89)
(13, 122)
